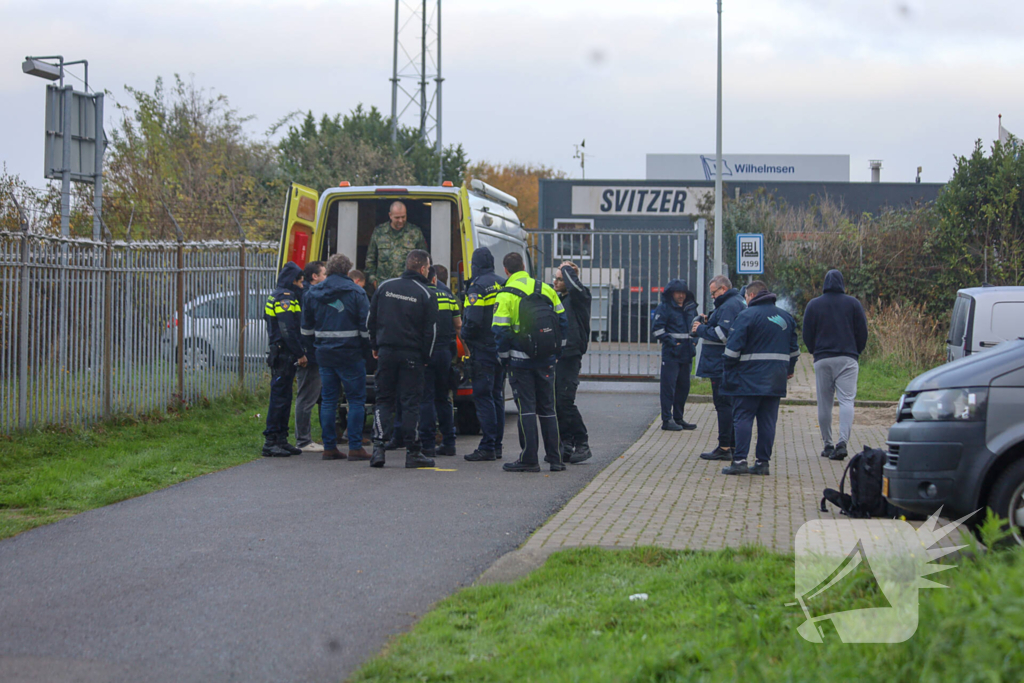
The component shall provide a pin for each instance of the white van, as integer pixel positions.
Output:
(455, 221)
(984, 317)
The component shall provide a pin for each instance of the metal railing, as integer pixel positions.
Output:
(626, 272)
(91, 329)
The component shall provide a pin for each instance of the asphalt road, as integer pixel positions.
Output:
(278, 570)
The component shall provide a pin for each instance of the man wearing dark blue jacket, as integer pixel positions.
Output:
(759, 358)
(335, 317)
(671, 323)
(836, 332)
(281, 315)
(715, 333)
(485, 370)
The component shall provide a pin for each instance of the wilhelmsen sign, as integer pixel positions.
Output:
(756, 167)
(611, 200)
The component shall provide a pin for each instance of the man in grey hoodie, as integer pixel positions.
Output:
(836, 332)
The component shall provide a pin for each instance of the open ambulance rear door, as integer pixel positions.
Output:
(299, 226)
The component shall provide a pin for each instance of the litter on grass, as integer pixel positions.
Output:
(637, 596)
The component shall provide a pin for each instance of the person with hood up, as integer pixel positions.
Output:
(484, 368)
(576, 298)
(671, 323)
(759, 358)
(335, 317)
(281, 314)
(714, 332)
(836, 332)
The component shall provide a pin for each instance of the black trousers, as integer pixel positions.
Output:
(567, 382)
(282, 375)
(747, 409)
(489, 399)
(534, 391)
(436, 406)
(399, 380)
(723, 407)
(675, 388)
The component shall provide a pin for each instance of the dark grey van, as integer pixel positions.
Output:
(958, 441)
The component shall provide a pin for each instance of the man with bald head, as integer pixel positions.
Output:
(390, 244)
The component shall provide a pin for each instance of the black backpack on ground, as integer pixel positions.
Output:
(539, 334)
(865, 498)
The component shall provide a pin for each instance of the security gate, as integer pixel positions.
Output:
(626, 273)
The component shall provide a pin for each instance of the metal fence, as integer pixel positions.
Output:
(92, 329)
(626, 273)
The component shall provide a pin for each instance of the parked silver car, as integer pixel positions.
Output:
(211, 330)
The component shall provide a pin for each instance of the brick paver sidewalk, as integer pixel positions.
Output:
(661, 493)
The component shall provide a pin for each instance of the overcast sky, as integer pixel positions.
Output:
(911, 82)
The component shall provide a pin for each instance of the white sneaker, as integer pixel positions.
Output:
(312, 447)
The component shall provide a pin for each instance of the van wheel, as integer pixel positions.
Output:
(1007, 499)
(465, 418)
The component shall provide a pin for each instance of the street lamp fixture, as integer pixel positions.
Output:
(34, 66)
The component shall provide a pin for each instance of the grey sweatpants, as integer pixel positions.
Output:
(306, 397)
(836, 376)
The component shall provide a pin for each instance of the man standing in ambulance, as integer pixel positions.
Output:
(390, 244)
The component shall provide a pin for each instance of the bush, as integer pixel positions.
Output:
(904, 336)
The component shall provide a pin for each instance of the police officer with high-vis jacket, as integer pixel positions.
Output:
(670, 325)
(282, 314)
(532, 376)
(485, 369)
(403, 330)
(714, 332)
(759, 358)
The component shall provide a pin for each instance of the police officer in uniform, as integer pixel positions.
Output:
(485, 369)
(403, 331)
(532, 379)
(282, 314)
(715, 333)
(436, 407)
(390, 243)
(759, 357)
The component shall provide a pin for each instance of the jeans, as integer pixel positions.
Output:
(723, 408)
(836, 376)
(746, 409)
(306, 396)
(534, 391)
(436, 406)
(489, 400)
(353, 378)
(675, 388)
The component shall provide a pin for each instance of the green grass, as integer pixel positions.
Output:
(718, 616)
(880, 380)
(53, 473)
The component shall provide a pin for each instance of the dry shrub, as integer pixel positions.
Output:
(905, 336)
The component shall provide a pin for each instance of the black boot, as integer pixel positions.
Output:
(497, 453)
(282, 442)
(520, 467)
(671, 426)
(568, 448)
(684, 424)
(377, 460)
(446, 450)
(737, 467)
(718, 454)
(828, 451)
(272, 450)
(480, 456)
(581, 453)
(414, 459)
(840, 452)
(557, 465)
(760, 467)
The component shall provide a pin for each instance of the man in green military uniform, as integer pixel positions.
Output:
(390, 244)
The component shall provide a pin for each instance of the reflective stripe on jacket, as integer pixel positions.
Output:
(762, 350)
(506, 320)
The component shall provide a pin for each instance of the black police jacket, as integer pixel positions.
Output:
(403, 315)
(283, 312)
(478, 308)
(576, 302)
(447, 311)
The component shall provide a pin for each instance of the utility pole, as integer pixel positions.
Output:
(581, 154)
(719, 227)
(416, 58)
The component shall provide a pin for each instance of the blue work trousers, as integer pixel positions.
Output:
(489, 399)
(746, 409)
(352, 377)
(675, 388)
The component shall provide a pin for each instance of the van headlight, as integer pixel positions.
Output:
(950, 404)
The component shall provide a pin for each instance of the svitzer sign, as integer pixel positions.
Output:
(613, 200)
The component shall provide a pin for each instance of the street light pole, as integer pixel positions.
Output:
(717, 265)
